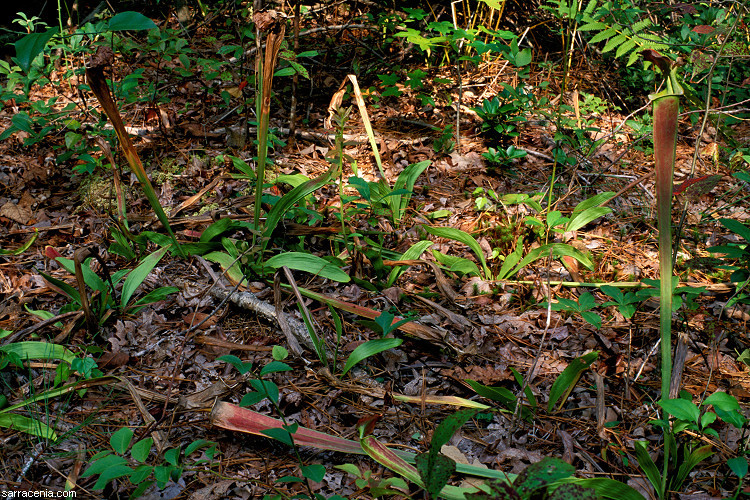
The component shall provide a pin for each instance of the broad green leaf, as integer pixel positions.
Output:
(217, 228)
(435, 470)
(292, 197)
(27, 425)
(282, 434)
(369, 348)
(541, 474)
(140, 474)
(736, 227)
(582, 218)
(236, 362)
(457, 264)
(101, 464)
(523, 58)
(139, 274)
(449, 426)
(130, 21)
(157, 295)
(722, 400)
(738, 465)
(275, 367)
(141, 449)
(112, 473)
(270, 389)
(39, 350)
(414, 252)
(406, 180)
(120, 440)
(606, 488)
(689, 463)
(647, 464)
(314, 472)
(462, 237)
(682, 409)
(567, 380)
(91, 279)
(312, 264)
(557, 250)
(229, 264)
(511, 260)
(30, 46)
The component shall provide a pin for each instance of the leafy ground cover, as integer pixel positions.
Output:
(405, 252)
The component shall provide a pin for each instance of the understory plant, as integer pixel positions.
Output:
(104, 300)
(22, 415)
(547, 227)
(133, 461)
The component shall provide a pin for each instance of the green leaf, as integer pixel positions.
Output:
(279, 353)
(523, 58)
(275, 367)
(120, 440)
(291, 198)
(414, 252)
(541, 474)
(738, 465)
(172, 456)
(216, 229)
(139, 274)
(682, 409)
(141, 449)
(435, 471)
(648, 465)
(270, 389)
(312, 264)
(449, 426)
(689, 463)
(722, 400)
(156, 295)
(112, 473)
(567, 380)
(368, 349)
(314, 472)
(140, 474)
(462, 237)
(195, 445)
(233, 360)
(406, 180)
(557, 250)
(30, 46)
(511, 260)
(282, 434)
(38, 350)
(101, 464)
(130, 21)
(228, 264)
(30, 426)
(457, 264)
(582, 218)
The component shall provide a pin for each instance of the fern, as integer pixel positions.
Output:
(614, 26)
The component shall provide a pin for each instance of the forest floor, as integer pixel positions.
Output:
(164, 376)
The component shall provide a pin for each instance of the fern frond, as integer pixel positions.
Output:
(594, 26)
(604, 35)
(614, 42)
(640, 25)
(590, 7)
(626, 47)
(633, 57)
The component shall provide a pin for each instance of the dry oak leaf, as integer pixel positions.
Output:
(17, 213)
